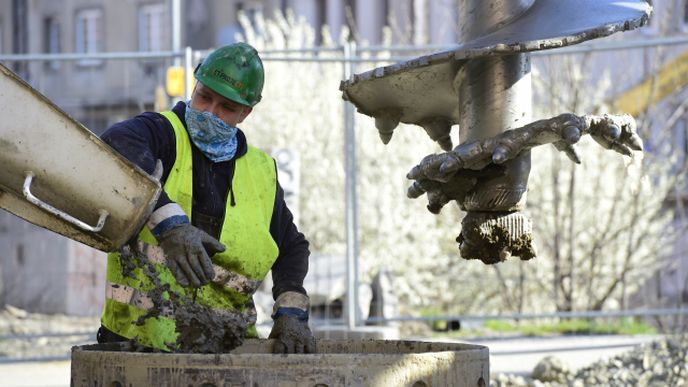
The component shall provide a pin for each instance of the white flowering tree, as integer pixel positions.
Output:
(302, 109)
(601, 227)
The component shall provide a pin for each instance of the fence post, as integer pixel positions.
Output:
(352, 248)
(188, 73)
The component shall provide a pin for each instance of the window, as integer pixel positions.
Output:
(20, 255)
(420, 31)
(252, 11)
(385, 13)
(88, 34)
(320, 20)
(681, 138)
(685, 140)
(51, 40)
(350, 17)
(151, 27)
(681, 15)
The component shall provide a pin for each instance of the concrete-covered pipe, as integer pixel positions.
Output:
(495, 95)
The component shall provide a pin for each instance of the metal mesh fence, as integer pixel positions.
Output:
(373, 250)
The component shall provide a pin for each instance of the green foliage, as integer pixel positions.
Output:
(500, 326)
(625, 326)
(436, 325)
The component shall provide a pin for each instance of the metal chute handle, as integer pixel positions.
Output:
(61, 214)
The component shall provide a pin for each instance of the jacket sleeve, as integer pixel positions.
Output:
(143, 140)
(291, 266)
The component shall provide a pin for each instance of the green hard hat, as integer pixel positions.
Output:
(235, 72)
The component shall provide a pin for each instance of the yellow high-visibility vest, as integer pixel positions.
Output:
(251, 250)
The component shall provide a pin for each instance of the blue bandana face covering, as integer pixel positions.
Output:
(214, 137)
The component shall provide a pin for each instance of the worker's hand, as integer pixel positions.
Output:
(188, 251)
(292, 335)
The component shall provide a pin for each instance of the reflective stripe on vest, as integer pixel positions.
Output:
(134, 297)
(239, 270)
(228, 279)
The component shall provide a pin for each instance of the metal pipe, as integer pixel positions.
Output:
(596, 45)
(102, 214)
(351, 201)
(612, 45)
(392, 59)
(494, 96)
(601, 45)
(175, 8)
(95, 55)
(188, 73)
(535, 316)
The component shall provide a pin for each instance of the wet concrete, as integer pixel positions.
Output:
(496, 246)
(200, 329)
(8, 146)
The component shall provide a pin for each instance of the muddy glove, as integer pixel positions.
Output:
(290, 329)
(188, 251)
(292, 335)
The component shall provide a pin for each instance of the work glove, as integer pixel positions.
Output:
(292, 335)
(188, 251)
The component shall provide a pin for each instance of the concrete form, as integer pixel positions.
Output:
(337, 363)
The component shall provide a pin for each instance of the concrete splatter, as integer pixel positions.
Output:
(200, 329)
(496, 246)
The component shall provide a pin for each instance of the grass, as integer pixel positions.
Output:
(625, 326)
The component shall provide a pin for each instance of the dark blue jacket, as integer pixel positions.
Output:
(149, 137)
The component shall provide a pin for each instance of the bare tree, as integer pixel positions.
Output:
(603, 227)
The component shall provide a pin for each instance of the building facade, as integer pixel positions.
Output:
(116, 89)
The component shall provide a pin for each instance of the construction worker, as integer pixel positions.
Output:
(220, 224)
